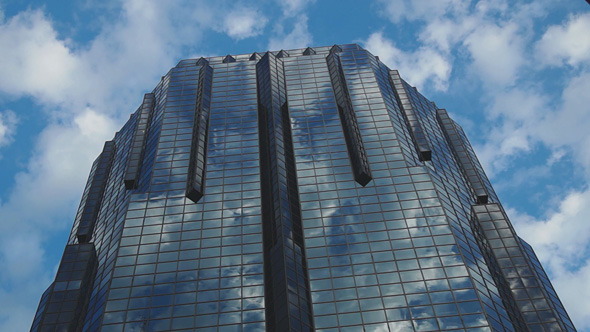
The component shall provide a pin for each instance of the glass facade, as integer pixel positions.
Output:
(298, 190)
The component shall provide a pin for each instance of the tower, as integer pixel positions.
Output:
(306, 189)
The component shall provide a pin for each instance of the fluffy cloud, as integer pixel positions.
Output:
(125, 57)
(526, 117)
(8, 122)
(42, 202)
(34, 61)
(398, 10)
(299, 37)
(419, 67)
(293, 7)
(515, 115)
(242, 23)
(569, 124)
(566, 42)
(58, 168)
(292, 15)
(497, 52)
(489, 36)
(19, 306)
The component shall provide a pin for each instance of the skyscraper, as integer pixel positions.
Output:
(307, 189)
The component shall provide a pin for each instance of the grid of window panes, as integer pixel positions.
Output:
(479, 169)
(183, 265)
(394, 110)
(456, 227)
(114, 205)
(467, 247)
(41, 308)
(455, 195)
(64, 303)
(397, 254)
(108, 226)
(443, 162)
(109, 231)
(554, 301)
(72, 238)
(498, 234)
(287, 286)
(357, 280)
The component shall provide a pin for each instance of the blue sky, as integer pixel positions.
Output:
(514, 74)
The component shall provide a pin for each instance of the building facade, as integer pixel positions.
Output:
(299, 190)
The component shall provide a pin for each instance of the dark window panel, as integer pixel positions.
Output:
(96, 191)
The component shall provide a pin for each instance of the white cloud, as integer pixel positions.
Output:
(425, 65)
(514, 116)
(299, 37)
(497, 53)
(525, 117)
(242, 23)
(110, 71)
(34, 61)
(293, 14)
(294, 7)
(19, 298)
(43, 201)
(569, 124)
(8, 122)
(488, 36)
(57, 170)
(411, 10)
(444, 33)
(567, 42)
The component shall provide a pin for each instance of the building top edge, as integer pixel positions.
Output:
(296, 52)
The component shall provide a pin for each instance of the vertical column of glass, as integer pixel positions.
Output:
(287, 287)
(109, 227)
(545, 283)
(196, 171)
(143, 285)
(67, 298)
(524, 293)
(135, 160)
(456, 195)
(492, 197)
(422, 146)
(353, 274)
(184, 265)
(350, 127)
(400, 126)
(463, 156)
(233, 196)
(225, 226)
(97, 188)
(456, 198)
